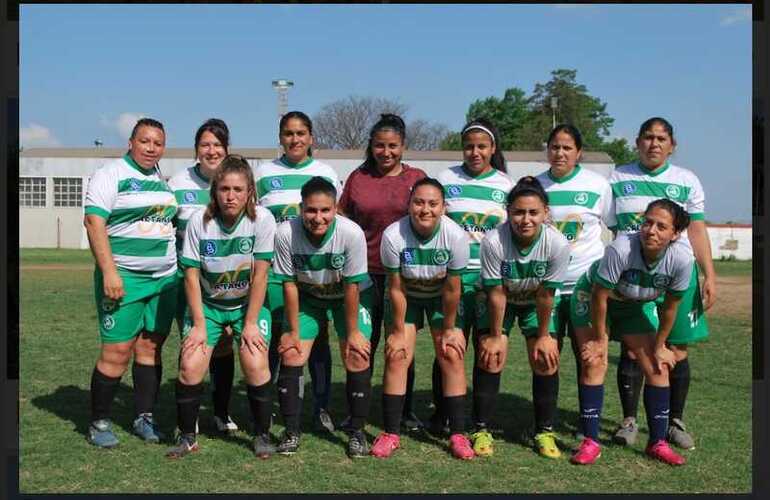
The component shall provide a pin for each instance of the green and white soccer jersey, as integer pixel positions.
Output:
(138, 207)
(623, 270)
(521, 271)
(578, 204)
(476, 204)
(634, 187)
(224, 255)
(424, 263)
(280, 181)
(192, 192)
(320, 271)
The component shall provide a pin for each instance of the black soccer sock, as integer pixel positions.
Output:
(679, 378)
(159, 381)
(578, 367)
(103, 390)
(374, 341)
(261, 406)
(485, 389)
(392, 406)
(591, 398)
(320, 367)
(145, 387)
(289, 396)
(438, 390)
(630, 381)
(188, 403)
(656, 406)
(454, 406)
(409, 400)
(358, 388)
(273, 358)
(222, 373)
(545, 392)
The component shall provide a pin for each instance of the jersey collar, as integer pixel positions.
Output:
(567, 177)
(229, 230)
(524, 251)
(479, 176)
(420, 238)
(127, 158)
(291, 164)
(327, 236)
(653, 173)
(199, 173)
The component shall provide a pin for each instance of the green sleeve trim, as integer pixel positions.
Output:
(185, 262)
(355, 278)
(455, 272)
(603, 282)
(394, 270)
(613, 228)
(491, 282)
(553, 284)
(700, 216)
(284, 277)
(93, 210)
(264, 256)
(676, 293)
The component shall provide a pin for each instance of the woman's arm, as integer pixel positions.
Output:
(701, 247)
(96, 229)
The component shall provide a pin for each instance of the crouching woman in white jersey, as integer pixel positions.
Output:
(620, 291)
(225, 255)
(425, 254)
(523, 264)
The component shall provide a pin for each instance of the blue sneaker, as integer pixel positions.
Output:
(145, 428)
(100, 434)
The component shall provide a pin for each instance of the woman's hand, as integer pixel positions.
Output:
(252, 339)
(492, 351)
(113, 285)
(196, 338)
(289, 341)
(664, 356)
(395, 345)
(357, 343)
(594, 351)
(546, 352)
(453, 338)
(709, 292)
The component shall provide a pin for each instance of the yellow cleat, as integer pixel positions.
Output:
(545, 442)
(482, 443)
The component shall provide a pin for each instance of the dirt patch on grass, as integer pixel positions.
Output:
(57, 267)
(734, 297)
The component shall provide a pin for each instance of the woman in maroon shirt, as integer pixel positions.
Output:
(375, 195)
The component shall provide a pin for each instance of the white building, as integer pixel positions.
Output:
(52, 181)
(730, 241)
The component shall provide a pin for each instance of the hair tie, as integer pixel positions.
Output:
(479, 127)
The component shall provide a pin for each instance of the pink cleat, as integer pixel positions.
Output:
(587, 453)
(660, 450)
(461, 447)
(385, 444)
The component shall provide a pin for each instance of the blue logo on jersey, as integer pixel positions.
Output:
(628, 188)
(190, 196)
(276, 183)
(210, 248)
(407, 257)
(134, 185)
(631, 276)
(454, 191)
(661, 281)
(505, 269)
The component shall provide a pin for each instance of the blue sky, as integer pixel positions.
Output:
(87, 72)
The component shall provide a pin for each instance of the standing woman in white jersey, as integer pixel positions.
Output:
(191, 190)
(226, 253)
(425, 253)
(475, 199)
(523, 264)
(128, 218)
(620, 291)
(580, 204)
(633, 187)
(278, 189)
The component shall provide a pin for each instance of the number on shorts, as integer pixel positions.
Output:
(263, 329)
(366, 318)
(693, 315)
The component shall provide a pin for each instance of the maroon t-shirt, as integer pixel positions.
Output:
(375, 201)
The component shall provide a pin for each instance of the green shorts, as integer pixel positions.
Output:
(181, 305)
(314, 312)
(623, 318)
(562, 316)
(526, 315)
(690, 325)
(471, 287)
(418, 309)
(218, 319)
(148, 305)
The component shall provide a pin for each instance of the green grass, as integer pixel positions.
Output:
(59, 345)
(45, 256)
(733, 267)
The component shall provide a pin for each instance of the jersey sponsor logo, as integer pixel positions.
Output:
(631, 276)
(581, 308)
(454, 191)
(539, 269)
(407, 257)
(108, 305)
(498, 196)
(245, 245)
(108, 322)
(672, 191)
(337, 261)
(505, 269)
(628, 188)
(582, 296)
(481, 305)
(276, 183)
(190, 196)
(440, 257)
(581, 198)
(210, 248)
(661, 281)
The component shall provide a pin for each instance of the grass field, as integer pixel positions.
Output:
(59, 344)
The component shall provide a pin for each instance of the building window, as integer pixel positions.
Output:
(67, 192)
(32, 192)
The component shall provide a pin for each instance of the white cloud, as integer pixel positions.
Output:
(35, 135)
(738, 15)
(124, 123)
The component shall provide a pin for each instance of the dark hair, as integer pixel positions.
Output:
(299, 115)
(216, 127)
(527, 185)
(318, 184)
(428, 181)
(678, 214)
(232, 164)
(147, 122)
(497, 161)
(657, 120)
(387, 121)
(568, 129)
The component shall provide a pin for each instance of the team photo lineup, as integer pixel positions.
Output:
(268, 264)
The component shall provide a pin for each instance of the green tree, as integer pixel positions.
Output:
(509, 114)
(619, 151)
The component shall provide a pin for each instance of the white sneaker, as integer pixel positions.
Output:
(225, 425)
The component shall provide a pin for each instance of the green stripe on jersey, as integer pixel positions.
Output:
(139, 185)
(475, 222)
(474, 192)
(94, 210)
(630, 221)
(425, 256)
(568, 198)
(138, 247)
(284, 212)
(318, 261)
(511, 269)
(674, 192)
(192, 196)
(282, 183)
(157, 213)
(223, 248)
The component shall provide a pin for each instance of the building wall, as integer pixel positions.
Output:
(730, 242)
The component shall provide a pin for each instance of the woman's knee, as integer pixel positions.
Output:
(354, 362)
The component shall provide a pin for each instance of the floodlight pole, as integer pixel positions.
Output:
(282, 87)
(554, 105)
